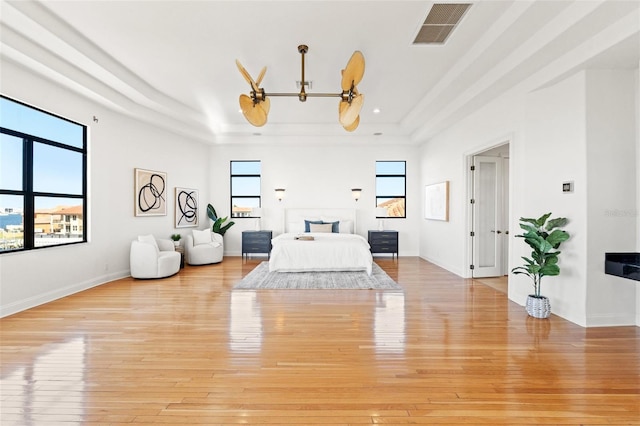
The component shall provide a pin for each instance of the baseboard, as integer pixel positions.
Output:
(612, 320)
(444, 266)
(41, 299)
(606, 320)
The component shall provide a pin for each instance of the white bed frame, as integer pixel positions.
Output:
(299, 215)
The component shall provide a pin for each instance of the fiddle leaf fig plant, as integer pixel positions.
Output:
(219, 225)
(544, 236)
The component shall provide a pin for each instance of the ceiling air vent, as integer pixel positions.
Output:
(440, 22)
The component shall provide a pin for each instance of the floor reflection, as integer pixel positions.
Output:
(54, 379)
(389, 323)
(245, 322)
(246, 328)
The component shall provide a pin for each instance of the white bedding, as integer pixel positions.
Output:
(327, 252)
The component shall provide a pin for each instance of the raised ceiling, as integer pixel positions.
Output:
(172, 63)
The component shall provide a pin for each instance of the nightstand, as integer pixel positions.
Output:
(256, 242)
(180, 249)
(384, 242)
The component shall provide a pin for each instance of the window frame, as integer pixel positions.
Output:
(27, 192)
(241, 175)
(385, 196)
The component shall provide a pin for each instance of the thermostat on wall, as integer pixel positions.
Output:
(567, 186)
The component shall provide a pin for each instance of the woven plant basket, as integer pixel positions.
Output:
(538, 307)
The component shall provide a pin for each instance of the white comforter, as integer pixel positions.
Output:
(327, 252)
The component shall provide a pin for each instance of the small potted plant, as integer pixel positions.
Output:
(544, 236)
(176, 239)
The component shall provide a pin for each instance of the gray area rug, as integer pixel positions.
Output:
(261, 278)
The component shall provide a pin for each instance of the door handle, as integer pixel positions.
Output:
(496, 232)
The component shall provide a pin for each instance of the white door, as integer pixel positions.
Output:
(488, 237)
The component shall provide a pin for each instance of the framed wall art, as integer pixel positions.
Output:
(436, 201)
(186, 207)
(150, 193)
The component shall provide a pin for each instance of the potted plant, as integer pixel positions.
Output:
(544, 236)
(176, 239)
(219, 225)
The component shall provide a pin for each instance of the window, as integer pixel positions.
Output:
(43, 178)
(245, 188)
(391, 185)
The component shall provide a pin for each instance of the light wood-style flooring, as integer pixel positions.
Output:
(188, 350)
(500, 284)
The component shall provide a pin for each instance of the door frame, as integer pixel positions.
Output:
(468, 161)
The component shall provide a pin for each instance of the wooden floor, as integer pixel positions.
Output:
(189, 350)
(497, 283)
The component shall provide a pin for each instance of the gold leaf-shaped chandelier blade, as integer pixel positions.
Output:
(353, 125)
(246, 76)
(261, 76)
(266, 105)
(354, 71)
(351, 111)
(254, 113)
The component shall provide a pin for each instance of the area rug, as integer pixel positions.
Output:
(261, 278)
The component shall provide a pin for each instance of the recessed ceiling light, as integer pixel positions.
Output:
(376, 110)
(377, 134)
(257, 134)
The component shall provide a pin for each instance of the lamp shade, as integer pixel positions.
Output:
(356, 193)
(257, 213)
(381, 212)
(279, 194)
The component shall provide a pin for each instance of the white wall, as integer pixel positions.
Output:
(551, 142)
(445, 158)
(637, 109)
(317, 173)
(611, 205)
(117, 145)
(554, 151)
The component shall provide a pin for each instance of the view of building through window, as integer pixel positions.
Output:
(245, 188)
(42, 178)
(391, 188)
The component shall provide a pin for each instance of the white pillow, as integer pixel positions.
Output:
(201, 237)
(322, 228)
(346, 227)
(149, 239)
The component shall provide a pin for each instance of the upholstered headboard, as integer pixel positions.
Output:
(294, 218)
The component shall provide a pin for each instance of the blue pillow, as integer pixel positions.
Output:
(309, 222)
(335, 226)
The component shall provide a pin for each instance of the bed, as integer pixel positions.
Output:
(320, 240)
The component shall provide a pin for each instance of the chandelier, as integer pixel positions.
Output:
(256, 105)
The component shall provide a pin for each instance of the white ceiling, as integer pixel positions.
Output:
(172, 63)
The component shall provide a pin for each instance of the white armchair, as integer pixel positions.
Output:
(203, 247)
(151, 258)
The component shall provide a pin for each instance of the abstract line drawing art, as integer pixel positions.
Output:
(186, 207)
(150, 193)
(436, 201)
